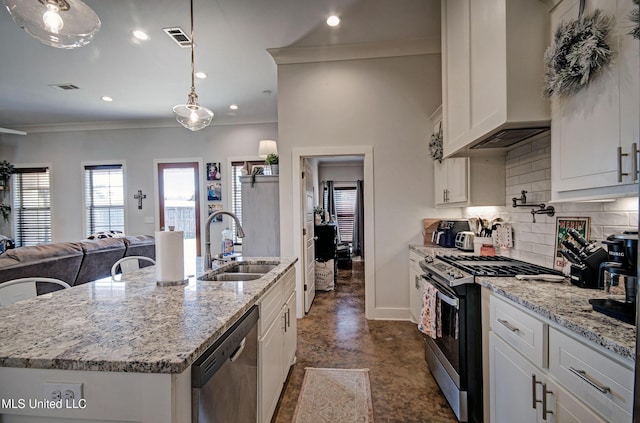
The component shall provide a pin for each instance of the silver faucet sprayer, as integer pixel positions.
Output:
(207, 235)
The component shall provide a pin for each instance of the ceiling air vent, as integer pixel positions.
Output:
(64, 87)
(179, 36)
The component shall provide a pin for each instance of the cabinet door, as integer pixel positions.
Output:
(290, 335)
(510, 384)
(457, 180)
(588, 128)
(440, 182)
(415, 288)
(567, 407)
(270, 350)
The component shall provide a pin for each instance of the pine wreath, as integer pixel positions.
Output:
(635, 18)
(579, 51)
(435, 145)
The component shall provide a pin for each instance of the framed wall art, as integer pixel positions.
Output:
(214, 191)
(563, 224)
(213, 172)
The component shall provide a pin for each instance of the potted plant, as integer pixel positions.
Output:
(318, 214)
(6, 169)
(272, 162)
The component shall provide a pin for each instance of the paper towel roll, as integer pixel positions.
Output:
(170, 256)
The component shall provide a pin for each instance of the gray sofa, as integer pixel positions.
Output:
(73, 262)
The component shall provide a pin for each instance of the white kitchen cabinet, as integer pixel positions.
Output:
(491, 68)
(467, 181)
(595, 133)
(277, 340)
(415, 286)
(530, 378)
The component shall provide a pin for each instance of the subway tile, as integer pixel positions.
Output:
(579, 207)
(520, 151)
(536, 176)
(544, 185)
(543, 163)
(622, 204)
(610, 218)
(522, 169)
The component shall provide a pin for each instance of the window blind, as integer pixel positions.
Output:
(345, 199)
(31, 189)
(104, 198)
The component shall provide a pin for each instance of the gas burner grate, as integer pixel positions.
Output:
(496, 266)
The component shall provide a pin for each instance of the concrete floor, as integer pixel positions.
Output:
(335, 334)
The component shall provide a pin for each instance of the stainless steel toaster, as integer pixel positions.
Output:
(464, 240)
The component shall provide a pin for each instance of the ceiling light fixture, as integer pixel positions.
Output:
(333, 20)
(201, 75)
(192, 115)
(106, 98)
(234, 107)
(141, 35)
(56, 23)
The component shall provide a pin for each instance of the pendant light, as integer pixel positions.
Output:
(56, 23)
(192, 115)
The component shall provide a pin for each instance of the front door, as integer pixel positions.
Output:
(179, 202)
(309, 242)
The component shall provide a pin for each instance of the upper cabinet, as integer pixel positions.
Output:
(492, 72)
(595, 133)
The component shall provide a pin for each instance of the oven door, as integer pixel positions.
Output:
(443, 353)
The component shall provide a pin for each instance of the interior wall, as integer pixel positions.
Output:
(139, 147)
(383, 103)
(341, 171)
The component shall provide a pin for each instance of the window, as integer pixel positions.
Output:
(236, 194)
(104, 198)
(345, 199)
(31, 206)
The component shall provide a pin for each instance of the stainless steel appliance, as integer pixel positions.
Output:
(224, 380)
(464, 240)
(445, 235)
(455, 358)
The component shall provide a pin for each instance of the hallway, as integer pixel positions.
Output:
(335, 334)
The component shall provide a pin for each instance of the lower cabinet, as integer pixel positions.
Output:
(415, 286)
(276, 343)
(540, 373)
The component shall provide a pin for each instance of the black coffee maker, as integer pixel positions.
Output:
(618, 277)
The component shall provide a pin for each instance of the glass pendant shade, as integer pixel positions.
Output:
(56, 23)
(192, 115)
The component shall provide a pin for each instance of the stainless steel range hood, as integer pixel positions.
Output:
(509, 137)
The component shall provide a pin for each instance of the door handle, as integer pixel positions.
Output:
(634, 162)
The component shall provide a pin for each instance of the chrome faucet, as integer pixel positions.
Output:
(207, 235)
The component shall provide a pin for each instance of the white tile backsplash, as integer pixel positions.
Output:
(528, 167)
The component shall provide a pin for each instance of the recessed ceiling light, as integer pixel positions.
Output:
(141, 35)
(234, 107)
(201, 75)
(333, 20)
(106, 98)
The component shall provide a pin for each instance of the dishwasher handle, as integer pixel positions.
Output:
(238, 352)
(229, 345)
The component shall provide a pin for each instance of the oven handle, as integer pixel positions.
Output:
(453, 302)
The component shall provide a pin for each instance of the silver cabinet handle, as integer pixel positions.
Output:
(620, 156)
(634, 162)
(418, 279)
(284, 317)
(545, 410)
(444, 195)
(288, 317)
(508, 325)
(584, 376)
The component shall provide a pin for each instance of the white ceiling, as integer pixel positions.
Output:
(146, 79)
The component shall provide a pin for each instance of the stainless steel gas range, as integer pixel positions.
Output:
(454, 356)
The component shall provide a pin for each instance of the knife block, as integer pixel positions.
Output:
(587, 274)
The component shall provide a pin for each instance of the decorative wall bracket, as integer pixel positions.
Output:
(542, 208)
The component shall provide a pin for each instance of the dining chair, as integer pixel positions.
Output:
(129, 264)
(23, 288)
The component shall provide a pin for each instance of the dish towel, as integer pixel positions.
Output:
(430, 314)
(503, 236)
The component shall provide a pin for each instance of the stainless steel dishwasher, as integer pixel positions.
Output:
(224, 379)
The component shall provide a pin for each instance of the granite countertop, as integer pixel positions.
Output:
(568, 306)
(129, 324)
(426, 250)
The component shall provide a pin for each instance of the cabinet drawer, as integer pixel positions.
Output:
(597, 380)
(519, 329)
(270, 306)
(289, 284)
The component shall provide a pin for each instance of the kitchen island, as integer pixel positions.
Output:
(128, 341)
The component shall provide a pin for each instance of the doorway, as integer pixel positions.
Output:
(299, 156)
(179, 203)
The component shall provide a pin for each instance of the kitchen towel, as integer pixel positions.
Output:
(169, 256)
(503, 236)
(430, 313)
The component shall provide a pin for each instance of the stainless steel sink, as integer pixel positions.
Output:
(250, 268)
(238, 277)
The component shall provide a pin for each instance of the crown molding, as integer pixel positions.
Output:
(291, 55)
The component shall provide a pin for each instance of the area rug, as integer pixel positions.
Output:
(334, 395)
